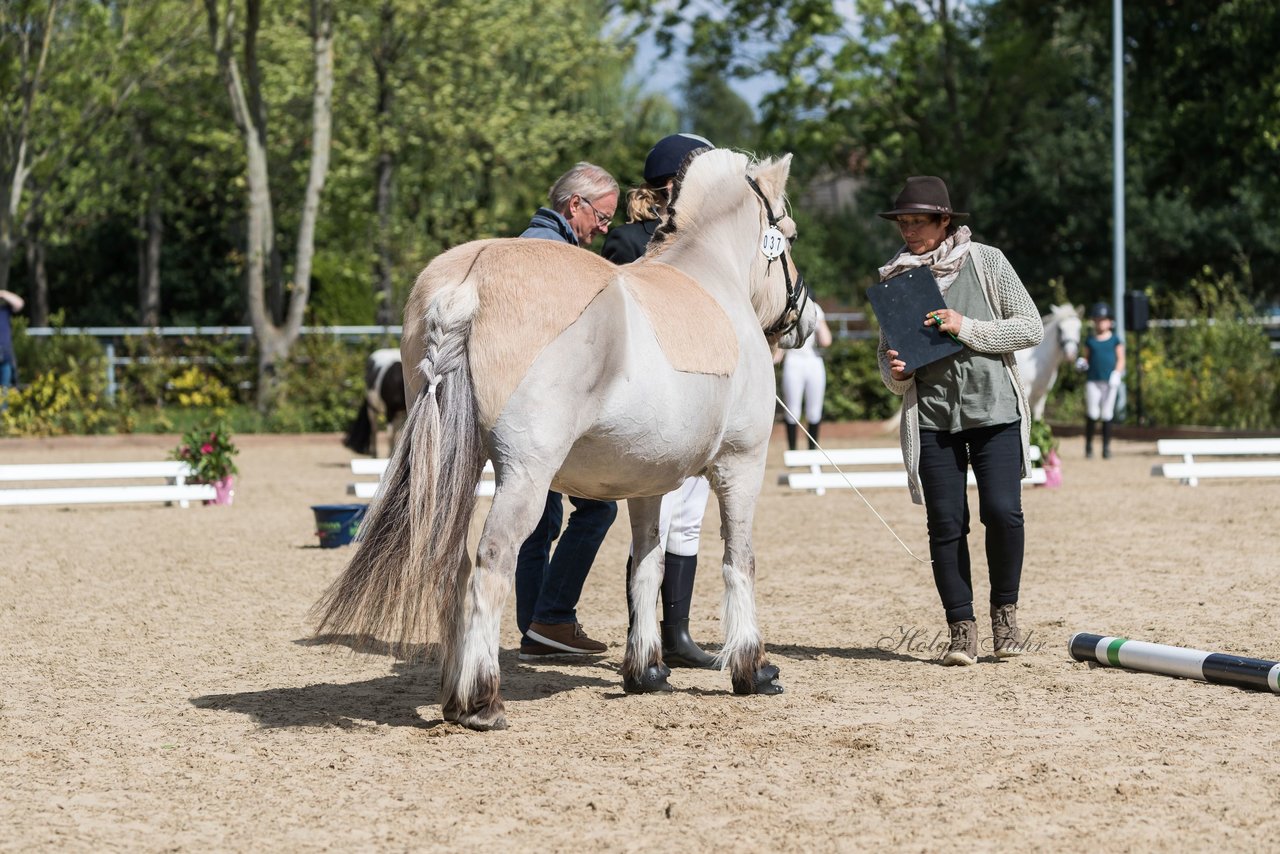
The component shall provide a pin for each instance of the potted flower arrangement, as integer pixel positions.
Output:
(209, 451)
(1043, 438)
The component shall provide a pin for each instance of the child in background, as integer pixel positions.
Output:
(1103, 359)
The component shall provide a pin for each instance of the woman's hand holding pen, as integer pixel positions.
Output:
(946, 320)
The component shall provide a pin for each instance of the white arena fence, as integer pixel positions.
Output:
(109, 335)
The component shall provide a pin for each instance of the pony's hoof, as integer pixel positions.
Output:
(764, 681)
(484, 720)
(451, 712)
(652, 681)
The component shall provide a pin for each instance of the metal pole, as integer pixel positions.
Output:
(1117, 159)
(111, 371)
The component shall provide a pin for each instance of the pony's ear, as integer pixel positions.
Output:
(772, 176)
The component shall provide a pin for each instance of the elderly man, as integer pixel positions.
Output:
(582, 202)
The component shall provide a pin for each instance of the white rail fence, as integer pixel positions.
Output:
(845, 325)
(109, 334)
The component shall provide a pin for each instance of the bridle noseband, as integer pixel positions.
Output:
(797, 293)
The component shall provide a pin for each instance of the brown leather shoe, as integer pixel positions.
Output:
(1006, 640)
(963, 649)
(565, 638)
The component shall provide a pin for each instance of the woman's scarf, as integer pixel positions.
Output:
(944, 261)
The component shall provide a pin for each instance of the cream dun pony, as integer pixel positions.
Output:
(597, 381)
(1038, 365)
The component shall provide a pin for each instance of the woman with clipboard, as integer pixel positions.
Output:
(967, 409)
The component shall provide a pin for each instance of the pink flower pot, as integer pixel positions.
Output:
(1052, 470)
(224, 490)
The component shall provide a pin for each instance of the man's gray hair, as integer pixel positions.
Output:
(584, 179)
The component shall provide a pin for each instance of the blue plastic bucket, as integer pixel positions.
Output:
(336, 524)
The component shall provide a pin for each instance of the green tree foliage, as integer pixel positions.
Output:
(123, 172)
(68, 71)
(714, 110)
(1011, 102)
(483, 105)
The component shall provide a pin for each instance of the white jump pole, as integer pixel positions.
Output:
(1219, 668)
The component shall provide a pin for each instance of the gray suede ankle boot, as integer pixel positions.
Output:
(1006, 640)
(964, 643)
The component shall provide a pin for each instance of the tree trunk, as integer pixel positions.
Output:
(258, 202)
(274, 341)
(36, 273)
(321, 138)
(383, 58)
(382, 291)
(149, 255)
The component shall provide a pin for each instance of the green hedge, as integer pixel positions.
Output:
(1217, 371)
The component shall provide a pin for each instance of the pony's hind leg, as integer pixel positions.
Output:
(736, 483)
(470, 690)
(451, 659)
(642, 669)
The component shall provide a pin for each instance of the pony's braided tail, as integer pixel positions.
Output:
(407, 575)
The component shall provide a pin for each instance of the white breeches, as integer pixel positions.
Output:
(1100, 400)
(803, 376)
(680, 519)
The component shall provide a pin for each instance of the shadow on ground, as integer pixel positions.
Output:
(394, 700)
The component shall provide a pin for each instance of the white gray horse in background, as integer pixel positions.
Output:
(1039, 365)
(598, 381)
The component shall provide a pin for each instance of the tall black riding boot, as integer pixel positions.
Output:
(678, 649)
(1089, 424)
(791, 435)
(1106, 440)
(813, 435)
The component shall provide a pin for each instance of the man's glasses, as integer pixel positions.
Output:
(601, 220)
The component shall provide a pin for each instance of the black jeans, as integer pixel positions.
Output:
(995, 454)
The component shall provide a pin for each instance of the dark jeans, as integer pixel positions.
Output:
(995, 453)
(548, 587)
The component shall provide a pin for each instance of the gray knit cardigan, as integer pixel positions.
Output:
(1019, 326)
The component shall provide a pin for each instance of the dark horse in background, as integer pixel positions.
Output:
(383, 397)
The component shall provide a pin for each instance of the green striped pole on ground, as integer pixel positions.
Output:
(1254, 673)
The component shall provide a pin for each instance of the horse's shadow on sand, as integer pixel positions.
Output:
(390, 700)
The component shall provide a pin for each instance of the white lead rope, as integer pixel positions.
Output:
(814, 443)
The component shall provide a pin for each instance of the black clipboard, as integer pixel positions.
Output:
(900, 304)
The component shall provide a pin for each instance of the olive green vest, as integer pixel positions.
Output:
(969, 389)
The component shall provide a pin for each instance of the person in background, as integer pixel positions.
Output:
(680, 519)
(582, 203)
(10, 304)
(967, 410)
(1103, 360)
(804, 377)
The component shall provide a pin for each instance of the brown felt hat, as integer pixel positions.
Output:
(924, 194)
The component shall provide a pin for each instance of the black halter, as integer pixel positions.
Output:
(797, 293)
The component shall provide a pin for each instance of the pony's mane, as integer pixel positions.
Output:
(711, 183)
(702, 172)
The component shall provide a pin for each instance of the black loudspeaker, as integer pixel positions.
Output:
(1135, 311)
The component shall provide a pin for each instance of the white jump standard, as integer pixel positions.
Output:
(1221, 669)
